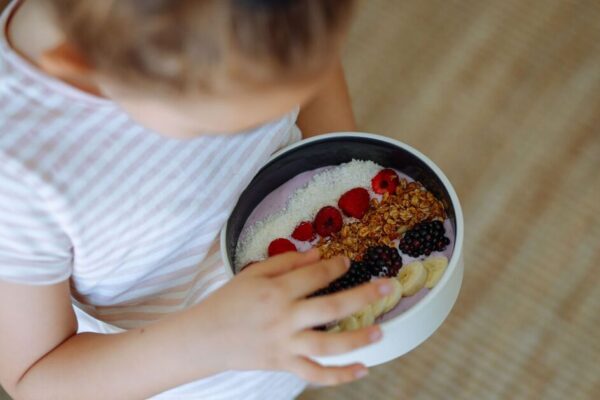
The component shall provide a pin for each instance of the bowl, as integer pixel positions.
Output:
(406, 331)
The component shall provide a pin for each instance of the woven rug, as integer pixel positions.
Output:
(505, 96)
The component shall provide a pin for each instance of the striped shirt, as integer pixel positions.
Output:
(129, 217)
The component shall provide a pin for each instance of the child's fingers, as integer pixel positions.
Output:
(324, 309)
(315, 373)
(282, 263)
(314, 343)
(305, 281)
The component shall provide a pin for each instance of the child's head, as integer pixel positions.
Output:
(205, 65)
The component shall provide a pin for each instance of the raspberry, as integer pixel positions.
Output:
(424, 238)
(386, 181)
(355, 202)
(328, 221)
(356, 275)
(279, 246)
(304, 232)
(383, 261)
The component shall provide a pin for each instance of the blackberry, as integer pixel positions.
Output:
(424, 238)
(382, 261)
(357, 274)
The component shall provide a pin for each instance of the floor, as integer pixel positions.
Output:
(505, 96)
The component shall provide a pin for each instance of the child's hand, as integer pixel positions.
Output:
(262, 319)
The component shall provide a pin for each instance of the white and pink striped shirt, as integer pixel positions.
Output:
(129, 217)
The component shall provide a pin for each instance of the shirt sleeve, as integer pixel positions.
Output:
(33, 247)
(293, 134)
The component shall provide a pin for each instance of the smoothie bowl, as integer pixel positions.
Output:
(383, 204)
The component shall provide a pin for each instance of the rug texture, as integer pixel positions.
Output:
(505, 96)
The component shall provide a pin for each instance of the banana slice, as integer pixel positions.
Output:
(365, 317)
(393, 298)
(361, 319)
(435, 267)
(412, 277)
(379, 306)
(349, 324)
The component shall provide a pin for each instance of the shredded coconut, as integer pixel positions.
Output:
(325, 188)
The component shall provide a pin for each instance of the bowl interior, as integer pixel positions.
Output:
(325, 152)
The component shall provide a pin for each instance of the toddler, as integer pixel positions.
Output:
(128, 129)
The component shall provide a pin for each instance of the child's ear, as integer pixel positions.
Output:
(65, 62)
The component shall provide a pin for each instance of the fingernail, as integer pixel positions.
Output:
(385, 287)
(361, 373)
(375, 335)
(347, 262)
(313, 252)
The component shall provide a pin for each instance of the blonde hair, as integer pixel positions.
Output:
(205, 45)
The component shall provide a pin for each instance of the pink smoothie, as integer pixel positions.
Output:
(278, 200)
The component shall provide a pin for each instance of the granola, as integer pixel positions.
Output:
(385, 221)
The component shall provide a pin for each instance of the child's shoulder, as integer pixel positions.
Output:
(28, 128)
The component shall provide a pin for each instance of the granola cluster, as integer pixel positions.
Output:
(385, 221)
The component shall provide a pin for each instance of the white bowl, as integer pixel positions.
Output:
(406, 331)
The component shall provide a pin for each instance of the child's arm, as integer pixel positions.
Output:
(330, 110)
(259, 320)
